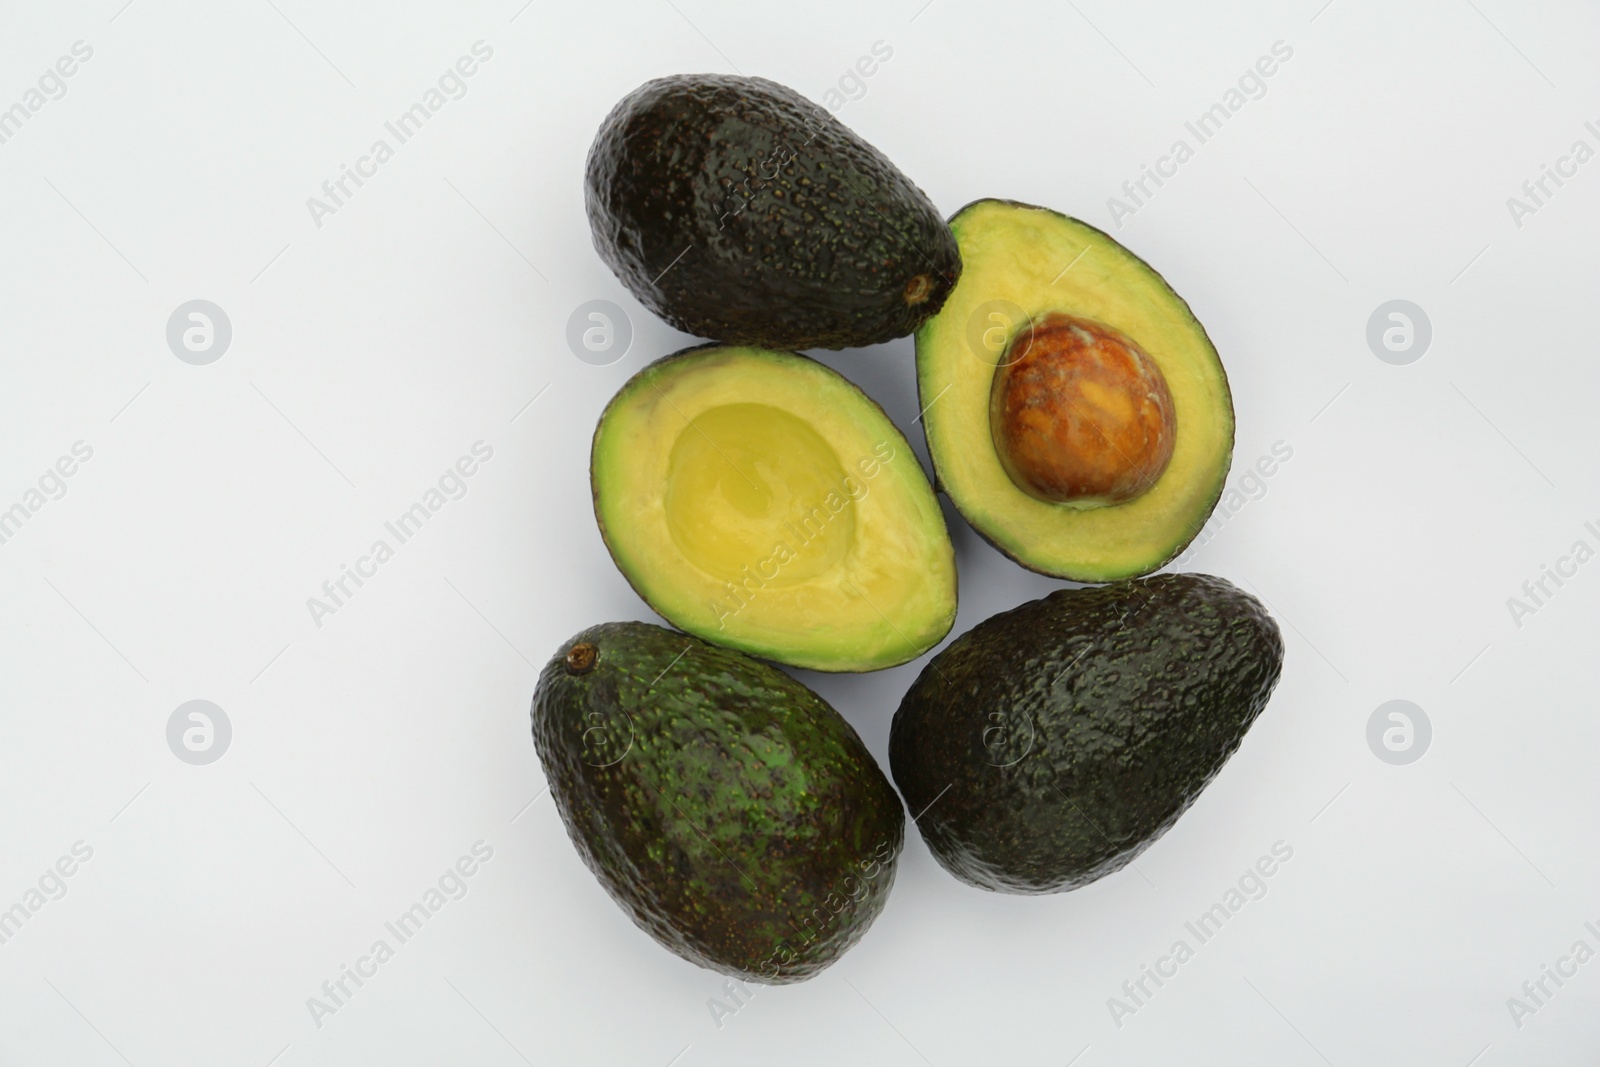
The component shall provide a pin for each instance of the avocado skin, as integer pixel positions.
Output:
(737, 209)
(1051, 744)
(732, 813)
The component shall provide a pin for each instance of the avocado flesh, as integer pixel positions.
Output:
(760, 500)
(1020, 258)
(1051, 744)
(733, 814)
(737, 209)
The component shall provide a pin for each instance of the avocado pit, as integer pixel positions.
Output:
(1079, 413)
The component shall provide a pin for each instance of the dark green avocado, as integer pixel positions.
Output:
(733, 814)
(736, 209)
(1051, 744)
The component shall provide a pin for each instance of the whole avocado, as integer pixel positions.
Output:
(737, 209)
(733, 814)
(1051, 744)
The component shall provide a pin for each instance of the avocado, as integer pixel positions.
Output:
(1051, 744)
(1076, 412)
(733, 814)
(738, 210)
(761, 501)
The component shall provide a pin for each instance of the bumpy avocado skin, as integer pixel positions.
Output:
(737, 209)
(1051, 744)
(733, 814)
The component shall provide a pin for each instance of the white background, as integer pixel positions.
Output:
(372, 351)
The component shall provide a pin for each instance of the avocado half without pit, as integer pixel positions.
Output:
(1076, 412)
(761, 501)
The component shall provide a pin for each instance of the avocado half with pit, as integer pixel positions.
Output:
(761, 501)
(1075, 410)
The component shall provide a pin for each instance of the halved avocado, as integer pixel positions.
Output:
(761, 501)
(1076, 412)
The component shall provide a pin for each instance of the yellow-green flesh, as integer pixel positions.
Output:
(1040, 261)
(760, 500)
